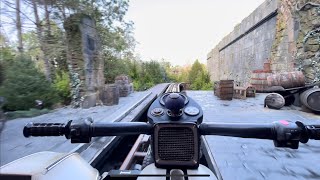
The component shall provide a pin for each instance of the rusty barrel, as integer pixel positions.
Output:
(259, 80)
(225, 90)
(311, 99)
(287, 79)
(110, 95)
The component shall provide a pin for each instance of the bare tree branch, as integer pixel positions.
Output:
(12, 7)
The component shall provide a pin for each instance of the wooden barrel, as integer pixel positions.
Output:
(225, 90)
(287, 79)
(110, 95)
(274, 101)
(311, 99)
(259, 80)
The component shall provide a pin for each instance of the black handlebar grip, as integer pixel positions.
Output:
(44, 129)
(314, 131)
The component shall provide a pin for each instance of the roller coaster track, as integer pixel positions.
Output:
(175, 88)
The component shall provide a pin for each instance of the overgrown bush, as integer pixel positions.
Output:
(24, 84)
(61, 84)
(199, 77)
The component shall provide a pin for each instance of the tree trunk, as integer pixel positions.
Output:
(18, 25)
(41, 41)
(47, 13)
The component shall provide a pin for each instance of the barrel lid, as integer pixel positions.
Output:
(274, 101)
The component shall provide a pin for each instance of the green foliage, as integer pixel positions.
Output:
(114, 67)
(24, 84)
(199, 77)
(152, 72)
(196, 70)
(62, 85)
(148, 74)
(6, 56)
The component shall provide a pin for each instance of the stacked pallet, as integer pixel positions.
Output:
(244, 92)
(239, 92)
(259, 78)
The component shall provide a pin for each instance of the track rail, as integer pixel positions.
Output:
(138, 150)
(175, 88)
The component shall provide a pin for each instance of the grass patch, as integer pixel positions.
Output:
(26, 114)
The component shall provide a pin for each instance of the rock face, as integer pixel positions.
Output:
(284, 33)
(110, 95)
(85, 65)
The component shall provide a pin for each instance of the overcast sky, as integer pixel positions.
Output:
(184, 30)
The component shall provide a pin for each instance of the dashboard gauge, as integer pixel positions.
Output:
(191, 111)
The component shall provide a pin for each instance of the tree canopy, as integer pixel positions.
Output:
(34, 64)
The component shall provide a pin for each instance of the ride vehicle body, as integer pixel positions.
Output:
(177, 143)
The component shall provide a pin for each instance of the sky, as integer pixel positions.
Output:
(181, 31)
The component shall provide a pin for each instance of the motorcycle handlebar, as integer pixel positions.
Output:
(121, 129)
(244, 130)
(83, 130)
(284, 133)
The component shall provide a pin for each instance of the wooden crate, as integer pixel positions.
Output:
(239, 93)
(224, 89)
(251, 91)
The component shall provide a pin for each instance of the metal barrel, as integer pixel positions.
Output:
(110, 95)
(287, 79)
(311, 99)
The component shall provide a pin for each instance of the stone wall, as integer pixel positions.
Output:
(85, 64)
(247, 47)
(282, 32)
(296, 46)
(307, 56)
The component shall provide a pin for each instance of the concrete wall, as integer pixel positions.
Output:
(281, 32)
(247, 47)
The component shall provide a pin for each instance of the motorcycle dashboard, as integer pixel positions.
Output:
(163, 108)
